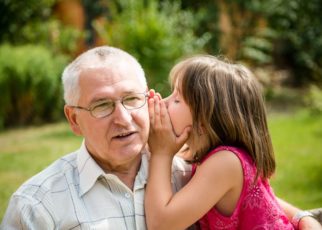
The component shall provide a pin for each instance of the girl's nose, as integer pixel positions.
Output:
(166, 100)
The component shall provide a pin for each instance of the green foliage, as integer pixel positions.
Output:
(157, 35)
(314, 100)
(295, 25)
(52, 34)
(15, 15)
(298, 24)
(258, 48)
(254, 45)
(60, 38)
(32, 21)
(29, 84)
(283, 99)
(206, 14)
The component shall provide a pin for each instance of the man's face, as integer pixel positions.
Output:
(118, 139)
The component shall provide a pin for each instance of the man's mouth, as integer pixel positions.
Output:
(124, 135)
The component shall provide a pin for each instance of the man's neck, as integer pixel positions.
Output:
(125, 172)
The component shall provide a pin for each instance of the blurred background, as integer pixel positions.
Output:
(280, 40)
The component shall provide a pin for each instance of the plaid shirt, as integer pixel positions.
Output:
(75, 193)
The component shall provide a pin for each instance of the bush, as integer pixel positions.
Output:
(15, 15)
(314, 100)
(157, 35)
(35, 22)
(298, 24)
(30, 85)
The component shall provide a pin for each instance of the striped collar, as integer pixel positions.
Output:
(89, 171)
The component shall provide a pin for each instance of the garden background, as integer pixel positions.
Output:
(280, 40)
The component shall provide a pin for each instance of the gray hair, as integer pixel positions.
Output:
(103, 56)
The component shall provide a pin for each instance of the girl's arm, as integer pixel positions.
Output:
(213, 179)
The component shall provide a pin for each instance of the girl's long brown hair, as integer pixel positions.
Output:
(226, 101)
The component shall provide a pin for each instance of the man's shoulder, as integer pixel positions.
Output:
(42, 198)
(181, 173)
(53, 178)
(179, 164)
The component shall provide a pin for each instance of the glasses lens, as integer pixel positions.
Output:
(102, 109)
(134, 101)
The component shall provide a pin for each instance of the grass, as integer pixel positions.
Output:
(296, 138)
(25, 152)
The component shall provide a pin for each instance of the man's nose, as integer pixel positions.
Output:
(121, 115)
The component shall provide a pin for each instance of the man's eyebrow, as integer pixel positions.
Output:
(101, 98)
(95, 101)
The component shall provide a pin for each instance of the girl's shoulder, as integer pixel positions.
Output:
(239, 152)
(222, 158)
(246, 162)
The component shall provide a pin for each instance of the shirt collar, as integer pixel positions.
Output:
(142, 175)
(90, 171)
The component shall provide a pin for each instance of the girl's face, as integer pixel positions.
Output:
(179, 111)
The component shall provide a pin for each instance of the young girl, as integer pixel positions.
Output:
(217, 109)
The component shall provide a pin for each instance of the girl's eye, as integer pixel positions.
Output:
(176, 101)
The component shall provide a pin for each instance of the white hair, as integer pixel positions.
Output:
(103, 56)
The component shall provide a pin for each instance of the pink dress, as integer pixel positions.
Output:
(257, 208)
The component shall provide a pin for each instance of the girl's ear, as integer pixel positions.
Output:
(71, 116)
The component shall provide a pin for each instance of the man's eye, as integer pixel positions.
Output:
(131, 98)
(103, 105)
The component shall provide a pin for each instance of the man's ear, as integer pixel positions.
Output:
(71, 116)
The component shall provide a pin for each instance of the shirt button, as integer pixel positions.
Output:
(127, 195)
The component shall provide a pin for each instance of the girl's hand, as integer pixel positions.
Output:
(162, 139)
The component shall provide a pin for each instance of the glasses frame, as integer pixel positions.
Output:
(92, 107)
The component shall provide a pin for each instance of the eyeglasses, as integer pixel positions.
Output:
(105, 107)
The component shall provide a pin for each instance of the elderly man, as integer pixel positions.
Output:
(101, 185)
